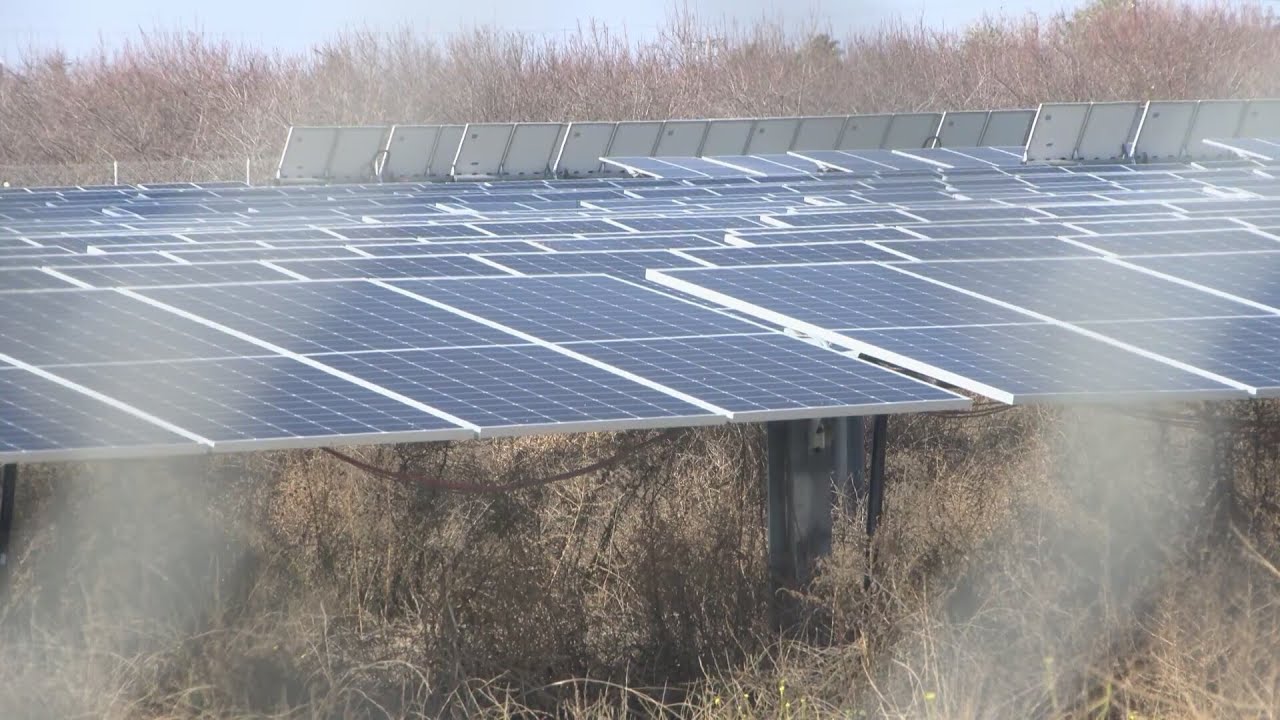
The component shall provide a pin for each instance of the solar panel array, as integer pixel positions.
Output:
(185, 318)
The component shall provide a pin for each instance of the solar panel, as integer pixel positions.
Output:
(523, 389)
(691, 222)
(44, 420)
(59, 327)
(1252, 276)
(172, 274)
(993, 230)
(790, 237)
(854, 295)
(397, 267)
(1032, 247)
(630, 242)
(328, 317)
(620, 264)
(784, 254)
(1237, 240)
(28, 279)
(772, 377)
(262, 402)
(1244, 349)
(1042, 363)
(574, 308)
(856, 217)
(1080, 289)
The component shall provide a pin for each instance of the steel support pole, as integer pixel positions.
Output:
(8, 494)
(875, 489)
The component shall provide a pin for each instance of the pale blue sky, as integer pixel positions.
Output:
(79, 25)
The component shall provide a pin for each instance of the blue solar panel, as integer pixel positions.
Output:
(571, 308)
(852, 217)
(260, 399)
(783, 254)
(1081, 289)
(960, 212)
(1041, 362)
(619, 264)
(782, 237)
(388, 231)
(759, 377)
(1236, 240)
(82, 326)
(993, 230)
(41, 419)
(1252, 276)
(397, 267)
(852, 295)
(326, 251)
(29, 279)
(688, 222)
(448, 248)
(1127, 227)
(548, 227)
(173, 274)
(525, 388)
(981, 249)
(630, 242)
(322, 317)
(1246, 350)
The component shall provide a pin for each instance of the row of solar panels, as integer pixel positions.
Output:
(1157, 131)
(515, 150)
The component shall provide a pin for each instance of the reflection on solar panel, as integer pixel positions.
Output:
(981, 249)
(1236, 240)
(1252, 276)
(172, 274)
(782, 254)
(620, 264)
(397, 267)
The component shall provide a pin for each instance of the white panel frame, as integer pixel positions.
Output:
(307, 149)
(910, 131)
(634, 138)
(681, 138)
(448, 142)
(817, 132)
(1056, 132)
(580, 150)
(531, 150)
(962, 129)
(482, 148)
(1214, 119)
(407, 154)
(1008, 128)
(727, 137)
(1109, 131)
(865, 132)
(773, 136)
(1162, 134)
(356, 153)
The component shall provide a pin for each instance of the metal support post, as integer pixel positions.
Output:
(875, 489)
(8, 493)
(802, 458)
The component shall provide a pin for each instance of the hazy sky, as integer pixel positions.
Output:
(79, 25)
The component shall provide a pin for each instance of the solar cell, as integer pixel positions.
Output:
(203, 256)
(993, 230)
(387, 231)
(523, 389)
(262, 402)
(1126, 227)
(691, 222)
(630, 242)
(549, 227)
(328, 317)
(28, 279)
(788, 237)
(772, 377)
(43, 420)
(572, 308)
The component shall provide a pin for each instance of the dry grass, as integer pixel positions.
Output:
(1032, 564)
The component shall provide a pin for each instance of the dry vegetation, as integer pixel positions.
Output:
(1032, 564)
